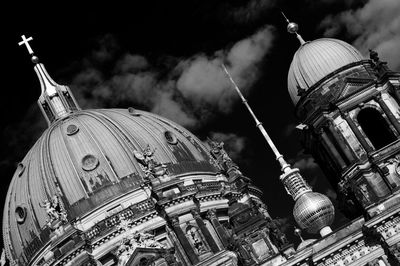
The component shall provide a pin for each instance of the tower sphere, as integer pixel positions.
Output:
(313, 211)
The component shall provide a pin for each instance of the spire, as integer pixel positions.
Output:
(292, 28)
(56, 101)
(312, 211)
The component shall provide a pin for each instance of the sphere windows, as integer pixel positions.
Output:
(20, 169)
(20, 214)
(170, 137)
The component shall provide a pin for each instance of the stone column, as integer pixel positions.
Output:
(396, 92)
(340, 139)
(183, 240)
(388, 113)
(219, 228)
(357, 132)
(209, 238)
(331, 149)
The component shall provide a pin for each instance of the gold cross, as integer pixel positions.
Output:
(26, 42)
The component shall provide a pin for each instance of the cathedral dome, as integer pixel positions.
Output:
(88, 159)
(315, 60)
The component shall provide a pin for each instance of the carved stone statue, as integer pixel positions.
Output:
(222, 158)
(277, 237)
(151, 167)
(57, 216)
(194, 237)
(379, 66)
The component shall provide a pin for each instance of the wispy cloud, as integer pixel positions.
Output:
(191, 90)
(373, 26)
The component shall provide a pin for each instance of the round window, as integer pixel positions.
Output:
(72, 129)
(170, 137)
(89, 162)
(132, 111)
(20, 214)
(20, 169)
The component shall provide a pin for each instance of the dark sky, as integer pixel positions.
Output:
(162, 57)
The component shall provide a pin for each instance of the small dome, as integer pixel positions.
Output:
(315, 60)
(313, 211)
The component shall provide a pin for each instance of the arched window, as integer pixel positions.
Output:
(375, 127)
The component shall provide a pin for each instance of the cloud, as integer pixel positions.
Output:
(252, 11)
(375, 26)
(189, 91)
(331, 194)
(305, 163)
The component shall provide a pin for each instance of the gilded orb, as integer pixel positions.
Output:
(313, 211)
(292, 27)
(35, 59)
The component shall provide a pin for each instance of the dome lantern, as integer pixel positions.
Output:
(56, 101)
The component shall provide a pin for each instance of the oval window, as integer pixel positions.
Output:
(20, 169)
(72, 129)
(20, 214)
(89, 162)
(170, 137)
(132, 111)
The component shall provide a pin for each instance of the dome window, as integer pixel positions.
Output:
(132, 111)
(170, 137)
(89, 162)
(20, 169)
(72, 129)
(20, 214)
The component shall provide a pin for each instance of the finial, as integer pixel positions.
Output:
(25, 41)
(56, 101)
(292, 28)
(297, 231)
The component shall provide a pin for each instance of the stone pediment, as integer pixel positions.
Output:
(142, 256)
(353, 85)
(142, 249)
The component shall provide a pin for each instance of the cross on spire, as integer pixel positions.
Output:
(25, 41)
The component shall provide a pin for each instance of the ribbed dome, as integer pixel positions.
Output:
(316, 59)
(88, 159)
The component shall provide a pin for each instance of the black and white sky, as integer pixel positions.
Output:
(165, 57)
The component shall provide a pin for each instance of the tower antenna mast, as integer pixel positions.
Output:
(279, 157)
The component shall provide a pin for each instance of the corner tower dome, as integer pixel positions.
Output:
(315, 60)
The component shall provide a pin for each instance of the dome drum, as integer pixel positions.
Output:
(339, 84)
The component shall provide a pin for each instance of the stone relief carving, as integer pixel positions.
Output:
(137, 239)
